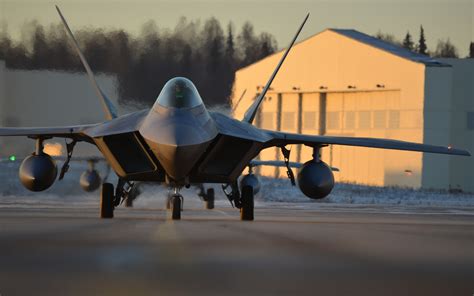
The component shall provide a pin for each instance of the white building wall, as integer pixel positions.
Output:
(437, 126)
(462, 122)
(49, 98)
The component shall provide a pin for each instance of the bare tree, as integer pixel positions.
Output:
(387, 38)
(445, 49)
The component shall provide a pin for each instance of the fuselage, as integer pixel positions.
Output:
(178, 129)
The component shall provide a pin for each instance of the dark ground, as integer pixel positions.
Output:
(289, 250)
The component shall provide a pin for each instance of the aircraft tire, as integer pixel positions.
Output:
(107, 201)
(176, 207)
(246, 211)
(210, 196)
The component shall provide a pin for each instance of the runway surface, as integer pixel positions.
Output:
(303, 249)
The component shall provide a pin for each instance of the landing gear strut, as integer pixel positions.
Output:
(233, 195)
(125, 191)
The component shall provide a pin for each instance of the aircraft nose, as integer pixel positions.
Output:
(178, 149)
(177, 160)
(178, 138)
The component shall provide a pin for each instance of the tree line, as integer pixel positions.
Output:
(204, 52)
(444, 48)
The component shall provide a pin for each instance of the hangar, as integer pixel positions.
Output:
(48, 98)
(346, 83)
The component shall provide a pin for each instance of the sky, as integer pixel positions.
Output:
(441, 19)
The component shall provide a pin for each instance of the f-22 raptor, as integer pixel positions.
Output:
(180, 143)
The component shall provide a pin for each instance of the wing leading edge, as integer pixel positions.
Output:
(282, 139)
(73, 132)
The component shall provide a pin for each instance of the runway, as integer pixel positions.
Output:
(303, 249)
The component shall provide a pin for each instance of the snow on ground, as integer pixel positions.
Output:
(282, 191)
(69, 192)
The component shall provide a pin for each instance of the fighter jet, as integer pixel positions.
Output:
(180, 143)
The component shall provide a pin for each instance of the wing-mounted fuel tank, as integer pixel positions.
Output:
(90, 180)
(250, 180)
(315, 178)
(38, 171)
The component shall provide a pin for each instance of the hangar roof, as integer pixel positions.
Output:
(389, 47)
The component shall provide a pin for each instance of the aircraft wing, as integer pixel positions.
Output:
(275, 163)
(282, 139)
(282, 164)
(72, 132)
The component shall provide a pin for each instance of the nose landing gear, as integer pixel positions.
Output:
(174, 203)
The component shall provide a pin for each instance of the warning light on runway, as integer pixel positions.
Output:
(12, 158)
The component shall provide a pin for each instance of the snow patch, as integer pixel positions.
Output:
(68, 191)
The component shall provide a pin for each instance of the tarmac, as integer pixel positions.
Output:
(290, 249)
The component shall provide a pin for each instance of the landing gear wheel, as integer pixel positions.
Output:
(246, 211)
(176, 201)
(209, 199)
(107, 201)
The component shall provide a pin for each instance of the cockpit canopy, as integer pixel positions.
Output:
(179, 92)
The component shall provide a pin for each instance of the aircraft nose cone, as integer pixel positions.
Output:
(178, 138)
(177, 160)
(179, 148)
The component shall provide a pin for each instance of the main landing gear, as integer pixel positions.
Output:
(246, 210)
(243, 201)
(208, 196)
(109, 199)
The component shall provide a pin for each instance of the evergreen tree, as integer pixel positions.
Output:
(230, 49)
(408, 42)
(422, 48)
(471, 50)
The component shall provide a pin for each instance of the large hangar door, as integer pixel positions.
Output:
(361, 114)
(290, 121)
(313, 120)
(268, 118)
